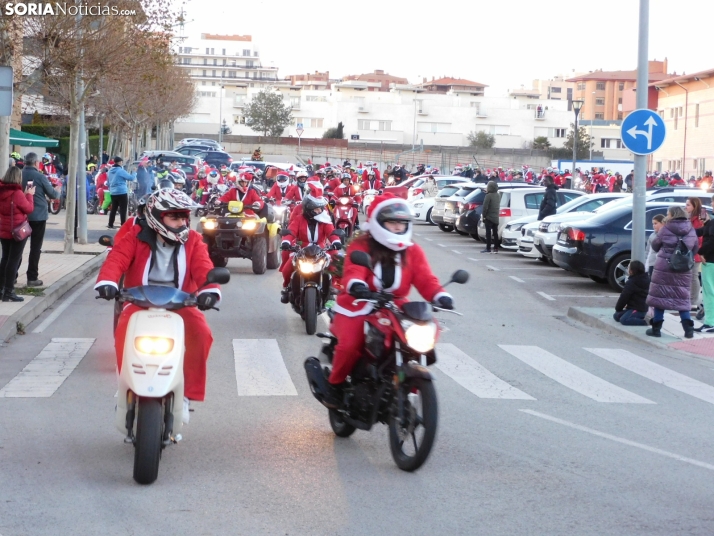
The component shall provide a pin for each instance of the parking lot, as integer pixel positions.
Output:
(552, 285)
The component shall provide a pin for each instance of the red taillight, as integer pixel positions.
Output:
(504, 213)
(576, 235)
(417, 191)
(472, 206)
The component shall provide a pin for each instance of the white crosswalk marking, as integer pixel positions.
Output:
(471, 375)
(573, 377)
(45, 373)
(260, 369)
(656, 373)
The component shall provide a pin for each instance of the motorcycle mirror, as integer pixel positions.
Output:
(106, 241)
(219, 276)
(360, 258)
(460, 277)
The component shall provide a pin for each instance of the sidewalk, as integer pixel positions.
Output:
(672, 333)
(58, 272)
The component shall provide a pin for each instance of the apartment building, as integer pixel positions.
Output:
(385, 80)
(686, 104)
(603, 91)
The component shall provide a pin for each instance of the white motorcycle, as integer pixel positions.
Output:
(151, 384)
(367, 199)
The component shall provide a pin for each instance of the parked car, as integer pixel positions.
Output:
(422, 207)
(195, 149)
(522, 202)
(471, 207)
(521, 231)
(600, 246)
(215, 158)
(200, 141)
(444, 213)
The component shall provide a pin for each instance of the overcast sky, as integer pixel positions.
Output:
(502, 44)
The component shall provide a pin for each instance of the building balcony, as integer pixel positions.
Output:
(539, 115)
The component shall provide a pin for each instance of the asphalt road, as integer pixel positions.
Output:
(546, 427)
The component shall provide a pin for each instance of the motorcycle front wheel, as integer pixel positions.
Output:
(147, 445)
(411, 440)
(339, 426)
(310, 310)
(54, 206)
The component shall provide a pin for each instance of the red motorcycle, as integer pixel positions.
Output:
(391, 382)
(55, 205)
(344, 213)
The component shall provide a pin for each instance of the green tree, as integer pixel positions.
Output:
(335, 133)
(481, 140)
(267, 114)
(541, 143)
(584, 143)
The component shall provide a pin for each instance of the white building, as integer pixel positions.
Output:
(404, 115)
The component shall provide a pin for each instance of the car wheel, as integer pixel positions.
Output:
(446, 228)
(617, 271)
(428, 218)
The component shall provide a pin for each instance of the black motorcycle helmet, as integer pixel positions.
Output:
(310, 205)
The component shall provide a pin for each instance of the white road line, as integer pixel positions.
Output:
(572, 377)
(656, 373)
(620, 439)
(441, 245)
(260, 369)
(518, 279)
(47, 372)
(475, 260)
(60, 309)
(546, 296)
(492, 268)
(429, 239)
(457, 252)
(471, 375)
(584, 295)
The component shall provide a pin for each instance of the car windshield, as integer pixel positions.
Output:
(157, 296)
(466, 190)
(447, 192)
(476, 196)
(570, 205)
(418, 183)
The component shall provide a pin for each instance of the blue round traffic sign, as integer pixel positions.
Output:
(643, 131)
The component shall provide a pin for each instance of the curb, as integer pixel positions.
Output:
(52, 293)
(589, 320)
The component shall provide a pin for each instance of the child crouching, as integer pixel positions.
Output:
(632, 307)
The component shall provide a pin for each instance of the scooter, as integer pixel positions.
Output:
(151, 384)
(367, 198)
(343, 213)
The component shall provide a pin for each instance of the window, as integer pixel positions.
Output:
(619, 115)
(255, 53)
(224, 61)
(671, 113)
(231, 74)
(676, 120)
(224, 52)
(249, 64)
(619, 101)
(204, 72)
(661, 113)
(210, 94)
(187, 61)
(556, 90)
(208, 50)
(316, 123)
(581, 86)
(559, 133)
(550, 132)
(315, 98)
(366, 124)
(187, 50)
(298, 120)
(215, 61)
(295, 102)
(238, 120)
(591, 205)
(567, 198)
(205, 61)
(246, 52)
(610, 143)
(214, 72)
(533, 201)
(696, 115)
(599, 116)
(599, 102)
(496, 130)
(621, 86)
(600, 86)
(681, 112)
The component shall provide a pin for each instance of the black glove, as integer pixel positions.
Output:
(207, 300)
(336, 245)
(361, 292)
(285, 246)
(445, 302)
(108, 292)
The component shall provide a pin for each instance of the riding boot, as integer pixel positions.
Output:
(688, 326)
(284, 295)
(654, 331)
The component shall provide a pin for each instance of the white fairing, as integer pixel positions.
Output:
(150, 375)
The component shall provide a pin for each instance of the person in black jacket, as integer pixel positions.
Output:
(707, 253)
(631, 308)
(550, 200)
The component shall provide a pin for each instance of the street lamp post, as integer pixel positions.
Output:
(220, 116)
(577, 105)
(591, 127)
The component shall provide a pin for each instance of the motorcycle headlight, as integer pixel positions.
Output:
(421, 337)
(279, 210)
(249, 225)
(210, 224)
(154, 345)
(344, 201)
(553, 227)
(310, 267)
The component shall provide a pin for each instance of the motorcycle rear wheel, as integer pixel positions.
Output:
(339, 426)
(310, 310)
(148, 443)
(54, 206)
(424, 414)
(273, 261)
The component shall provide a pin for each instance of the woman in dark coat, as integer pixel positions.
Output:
(550, 200)
(671, 290)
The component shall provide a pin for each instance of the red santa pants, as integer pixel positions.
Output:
(349, 331)
(198, 341)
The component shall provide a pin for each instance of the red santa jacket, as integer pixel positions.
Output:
(412, 269)
(277, 193)
(350, 191)
(374, 184)
(14, 208)
(102, 180)
(131, 256)
(333, 183)
(295, 193)
(250, 196)
(299, 228)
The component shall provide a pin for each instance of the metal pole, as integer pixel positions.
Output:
(639, 182)
(575, 142)
(101, 141)
(414, 133)
(81, 174)
(220, 117)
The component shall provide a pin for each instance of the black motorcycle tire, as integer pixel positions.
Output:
(429, 419)
(219, 261)
(148, 442)
(51, 205)
(91, 207)
(310, 310)
(259, 256)
(273, 261)
(339, 426)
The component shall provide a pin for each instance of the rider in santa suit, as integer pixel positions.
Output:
(398, 264)
(280, 188)
(312, 225)
(303, 187)
(163, 250)
(346, 188)
(370, 181)
(244, 191)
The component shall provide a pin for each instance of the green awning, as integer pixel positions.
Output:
(25, 139)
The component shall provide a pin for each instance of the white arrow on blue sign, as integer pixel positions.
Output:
(643, 131)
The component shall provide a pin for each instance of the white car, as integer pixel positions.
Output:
(512, 231)
(422, 206)
(422, 187)
(520, 202)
